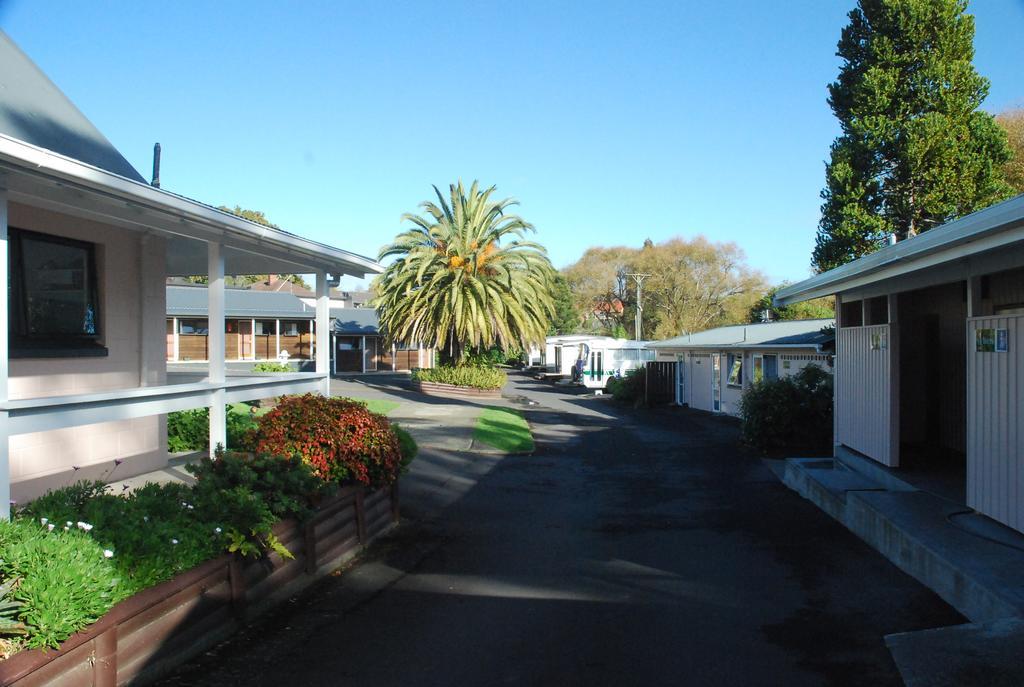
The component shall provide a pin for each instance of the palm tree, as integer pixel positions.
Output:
(465, 277)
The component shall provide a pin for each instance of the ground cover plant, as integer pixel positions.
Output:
(486, 378)
(505, 429)
(790, 413)
(70, 555)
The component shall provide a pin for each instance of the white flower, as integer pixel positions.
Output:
(146, 518)
(107, 553)
(44, 520)
(174, 541)
(216, 530)
(68, 524)
(191, 507)
(84, 526)
(49, 528)
(66, 528)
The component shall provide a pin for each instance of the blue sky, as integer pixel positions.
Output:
(610, 122)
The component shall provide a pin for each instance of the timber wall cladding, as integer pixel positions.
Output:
(147, 635)
(995, 428)
(864, 392)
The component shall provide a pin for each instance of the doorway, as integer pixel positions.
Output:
(716, 382)
(681, 379)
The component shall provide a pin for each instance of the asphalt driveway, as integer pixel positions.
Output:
(634, 548)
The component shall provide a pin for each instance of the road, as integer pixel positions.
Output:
(633, 548)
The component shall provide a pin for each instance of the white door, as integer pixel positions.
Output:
(716, 382)
(681, 379)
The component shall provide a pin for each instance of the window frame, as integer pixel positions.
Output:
(731, 360)
(21, 343)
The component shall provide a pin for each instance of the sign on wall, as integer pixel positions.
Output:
(879, 341)
(991, 340)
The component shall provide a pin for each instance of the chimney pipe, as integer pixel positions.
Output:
(156, 166)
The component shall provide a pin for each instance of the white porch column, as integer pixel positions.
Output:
(215, 324)
(252, 339)
(5, 455)
(277, 337)
(323, 330)
(362, 350)
(174, 334)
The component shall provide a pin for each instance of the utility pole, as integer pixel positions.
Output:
(639, 279)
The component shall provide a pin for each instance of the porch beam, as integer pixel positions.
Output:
(215, 325)
(323, 329)
(5, 445)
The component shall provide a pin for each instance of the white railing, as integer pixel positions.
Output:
(57, 412)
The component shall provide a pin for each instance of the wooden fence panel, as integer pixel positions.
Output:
(661, 380)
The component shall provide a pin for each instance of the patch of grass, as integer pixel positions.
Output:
(381, 406)
(246, 409)
(504, 429)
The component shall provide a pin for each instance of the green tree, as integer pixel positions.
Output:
(465, 278)
(1012, 122)
(816, 309)
(566, 318)
(915, 150)
(258, 217)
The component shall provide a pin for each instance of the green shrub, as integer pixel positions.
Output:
(791, 413)
(271, 366)
(628, 388)
(462, 375)
(338, 438)
(65, 581)
(189, 430)
(406, 444)
(285, 483)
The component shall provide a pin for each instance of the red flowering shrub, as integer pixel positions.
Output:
(339, 438)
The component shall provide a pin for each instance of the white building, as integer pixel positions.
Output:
(87, 246)
(929, 359)
(715, 367)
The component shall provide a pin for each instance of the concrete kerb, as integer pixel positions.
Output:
(977, 575)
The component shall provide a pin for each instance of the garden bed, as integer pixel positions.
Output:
(153, 631)
(438, 389)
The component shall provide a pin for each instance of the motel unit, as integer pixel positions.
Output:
(930, 358)
(716, 366)
(87, 245)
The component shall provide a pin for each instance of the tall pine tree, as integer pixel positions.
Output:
(915, 150)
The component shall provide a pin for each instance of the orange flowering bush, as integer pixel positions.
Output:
(338, 438)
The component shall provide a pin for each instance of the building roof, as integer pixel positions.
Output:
(356, 321)
(990, 229)
(191, 301)
(51, 156)
(781, 334)
(34, 110)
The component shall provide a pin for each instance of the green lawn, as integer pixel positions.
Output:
(244, 409)
(504, 429)
(381, 406)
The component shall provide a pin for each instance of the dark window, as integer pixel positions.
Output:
(878, 310)
(53, 296)
(852, 314)
(193, 327)
(735, 370)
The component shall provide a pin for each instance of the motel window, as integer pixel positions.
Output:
(735, 370)
(193, 327)
(54, 304)
(878, 310)
(290, 328)
(765, 368)
(266, 327)
(852, 314)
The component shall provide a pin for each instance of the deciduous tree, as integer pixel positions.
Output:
(1012, 122)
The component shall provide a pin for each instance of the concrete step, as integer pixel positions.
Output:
(973, 655)
(825, 482)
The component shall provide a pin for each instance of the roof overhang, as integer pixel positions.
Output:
(40, 178)
(987, 230)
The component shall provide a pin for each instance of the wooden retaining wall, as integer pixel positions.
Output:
(154, 631)
(435, 389)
